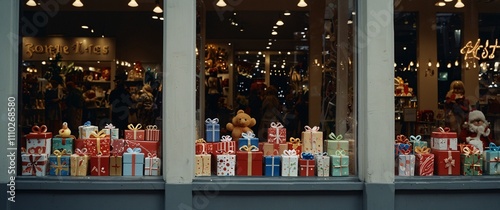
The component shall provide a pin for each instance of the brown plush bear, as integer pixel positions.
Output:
(241, 123)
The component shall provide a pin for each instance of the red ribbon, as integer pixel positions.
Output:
(32, 166)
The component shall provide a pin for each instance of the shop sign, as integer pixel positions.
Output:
(69, 48)
(473, 51)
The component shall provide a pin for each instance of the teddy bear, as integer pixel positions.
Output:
(241, 123)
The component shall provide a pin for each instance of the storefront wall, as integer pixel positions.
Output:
(374, 188)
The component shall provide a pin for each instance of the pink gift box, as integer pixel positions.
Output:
(152, 133)
(276, 133)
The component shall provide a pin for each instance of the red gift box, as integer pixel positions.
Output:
(99, 165)
(134, 133)
(98, 145)
(276, 133)
(307, 167)
(447, 163)
(249, 163)
(152, 133)
(424, 164)
(226, 145)
(295, 145)
(147, 147)
(117, 147)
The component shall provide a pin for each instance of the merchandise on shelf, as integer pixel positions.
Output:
(99, 165)
(443, 139)
(212, 130)
(249, 161)
(312, 140)
(133, 162)
(79, 162)
(424, 161)
(272, 165)
(289, 163)
(134, 132)
(340, 164)
(59, 163)
(307, 165)
(336, 142)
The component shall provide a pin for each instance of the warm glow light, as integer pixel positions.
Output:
(448, 0)
(133, 3)
(85, 27)
(31, 3)
(456, 63)
(221, 3)
(440, 4)
(459, 4)
(302, 3)
(274, 33)
(287, 13)
(78, 3)
(157, 9)
(280, 23)
(411, 63)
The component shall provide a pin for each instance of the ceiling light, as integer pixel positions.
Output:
(287, 13)
(459, 4)
(85, 27)
(31, 3)
(155, 17)
(275, 26)
(221, 3)
(241, 29)
(274, 33)
(157, 9)
(92, 30)
(302, 3)
(448, 0)
(280, 22)
(440, 3)
(78, 3)
(349, 22)
(161, 18)
(133, 3)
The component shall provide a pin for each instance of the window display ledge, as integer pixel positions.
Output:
(278, 183)
(90, 183)
(447, 183)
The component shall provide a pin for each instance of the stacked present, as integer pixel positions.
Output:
(338, 148)
(405, 160)
(141, 151)
(35, 157)
(492, 160)
(446, 154)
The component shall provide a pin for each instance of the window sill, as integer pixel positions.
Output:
(90, 183)
(447, 183)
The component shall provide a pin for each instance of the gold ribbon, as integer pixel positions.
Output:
(134, 128)
(98, 136)
(249, 165)
(59, 166)
(251, 148)
(199, 141)
(422, 150)
(468, 152)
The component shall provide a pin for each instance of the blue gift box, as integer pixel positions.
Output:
(272, 165)
(212, 130)
(133, 162)
(248, 140)
(491, 162)
(62, 143)
(59, 164)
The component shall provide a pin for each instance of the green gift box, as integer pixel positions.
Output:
(63, 143)
(416, 142)
(334, 143)
(472, 164)
(340, 164)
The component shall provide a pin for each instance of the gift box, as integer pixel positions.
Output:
(249, 161)
(79, 163)
(117, 147)
(334, 143)
(272, 149)
(307, 165)
(272, 165)
(97, 144)
(152, 133)
(461, 147)
(226, 164)
(134, 133)
(212, 130)
(447, 163)
(289, 163)
(86, 129)
(202, 147)
(133, 162)
(323, 164)
(294, 144)
(99, 165)
(114, 133)
(147, 147)
(312, 140)
(152, 165)
(472, 162)
(202, 165)
(59, 163)
(406, 165)
(63, 143)
(492, 160)
(276, 133)
(402, 149)
(226, 145)
(115, 165)
(39, 140)
(416, 141)
(34, 164)
(248, 140)
(340, 164)
(443, 139)
(424, 161)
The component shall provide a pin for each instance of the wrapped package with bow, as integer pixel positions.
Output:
(39, 140)
(424, 161)
(212, 130)
(312, 140)
(272, 165)
(447, 163)
(117, 147)
(34, 164)
(406, 163)
(134, 133)
(86, 129)
(63, 143)
(248, 139)
(225, 163)
(276, 133)
(443, 139)
(340, 163)
(272, 149)
(59, 163)
(99, 165)
(401, 145)
(226, 144)
(133, 162)
(202, 166)
(152, 133)
(307, 164)
(416, 141)
(97, 143)
(79, 162)
(152, 165)
(112, 131)
(115, 165)
(492, 160)
(147, 147)
(323, 164)
(203, 147)
(336, 142)
(289, 163)
(295, 144)
(471, 162)
(249, 161)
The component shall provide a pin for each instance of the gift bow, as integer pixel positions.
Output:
(468, 152)
(415, 138)
(340, 152)
(136, 127)
(332, 136)
(87, 124)
(449, 162)
(151, 127)
(109, 126)
(404, 149)
(494, 147)
(212, 121)
(60, 153)
(200, 141)
(307, 156)
(443, 130)
(313, 129)
(295, 140)
(100, 134)
(422, 150)
(226, 138)
(251, 148)
(151, 155)
(37, 129)
(402, 139)
(276, 125)
(81, 152)
(135, 150)
(248, 135)
(290, 152)
(224, 152)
